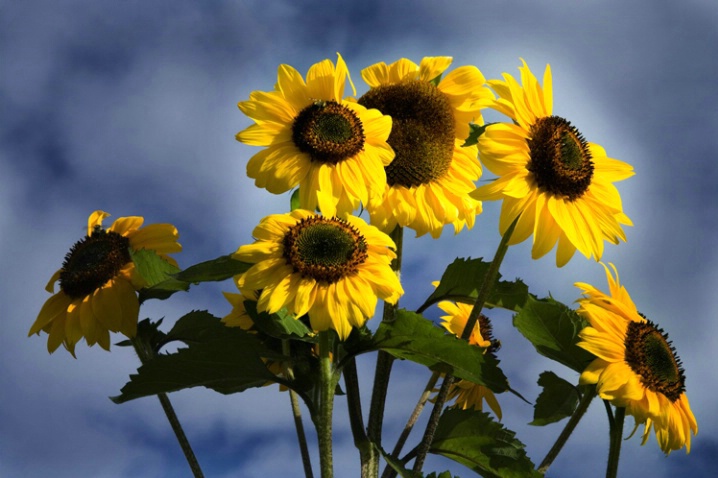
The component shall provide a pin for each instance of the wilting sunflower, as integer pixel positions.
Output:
(335, 150)
(333, 269)
(98, 281)
(560, 184)
(636, 365)
(468, 394)
(429, 181)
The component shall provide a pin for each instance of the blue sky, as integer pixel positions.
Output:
(130, 107)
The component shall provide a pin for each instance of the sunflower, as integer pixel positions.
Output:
(334, 149)
(238, 317)
(560, 184)
(636, 365)
(429, 181)
(466, 393)
(333, 269)
(98, 281)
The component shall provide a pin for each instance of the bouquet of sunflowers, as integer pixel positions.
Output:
(407, 154)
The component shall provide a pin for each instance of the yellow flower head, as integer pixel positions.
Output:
(333, 269)
(335, 150)
(468, 394)
(560, 184)
(429, 181)
(98, 281)
(636, 365)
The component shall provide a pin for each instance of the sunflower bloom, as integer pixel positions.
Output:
(98, 281)
(332, 269)
(429, 181)
(560, 184)
(335, 150)
(468, 394)
(636, 365)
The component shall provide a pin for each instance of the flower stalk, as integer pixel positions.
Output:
(614, 451)
(327, 385)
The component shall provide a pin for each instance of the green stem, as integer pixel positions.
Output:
(566, 433)
(614, 450)
(487, 286)
(297, 413)
(326, 406)
(428, 389)
(384, 363)
(145, 354)
(356, 420)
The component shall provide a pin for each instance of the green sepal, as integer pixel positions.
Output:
(224, 359)
(557, 400)
(553, 328)
(294, 200)
(463, 278)
(475, 130)
(475, 440)
(281, 325)
(215, 270)
(414, 337)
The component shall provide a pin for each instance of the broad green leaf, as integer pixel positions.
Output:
(218, 269)
(463, 278)
(474, 133)
(229, 361)
(294, 201)
(281, 325)
(413, 337)
(553, 328)
(153, 268)
(557, 401)
(475, 440)
(163, 290)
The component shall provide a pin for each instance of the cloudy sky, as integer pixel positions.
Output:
(130, 107)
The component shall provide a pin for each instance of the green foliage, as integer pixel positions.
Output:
(475, 440)
(294, 201)
(474, 133)
(463, 277)
(413, 337)
(157, 273)
(215, 270)
(281, 325)
(224, 359)
(557, 401)
(553, 328)
(397, 465)
(445, 474)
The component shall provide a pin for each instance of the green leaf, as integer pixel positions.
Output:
(397, 465)
(463, 278)
(218, 269)
(475, 440)
(152, 267)
(226, 359)
(474, 133)
(413, 337)
(281, 325)
(294, 201)
(163, 290)
(557, 401)
(553, 328)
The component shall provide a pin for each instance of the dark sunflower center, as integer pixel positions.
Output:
(422, 131)
(486, 330)
(650, 355)
(328, 132)
(560, 160)
(93, 261)
(324, 249)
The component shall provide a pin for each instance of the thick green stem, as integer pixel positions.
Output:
(614, 450)
(356, 420)
(326, 406)
(384, 363)
(145, 354)
(566, 433)
(484, 291)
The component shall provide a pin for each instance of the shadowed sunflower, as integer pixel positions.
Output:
(98, 281)
(468, 394)
(636, 365)
(333, 149)
(333, 269)
(238, 317)
(560, 184)
(429, 181)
